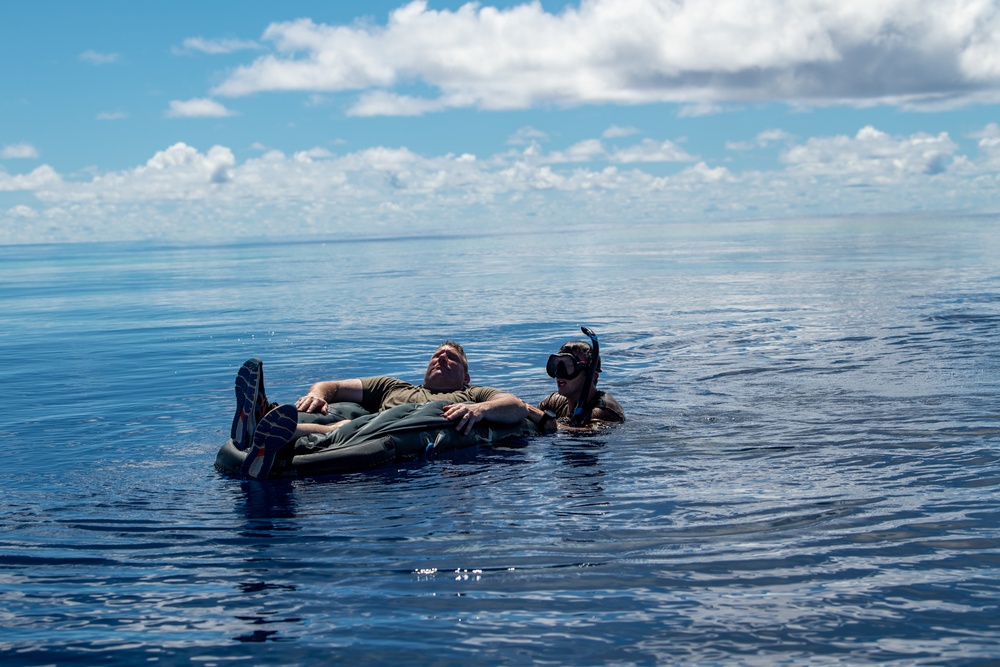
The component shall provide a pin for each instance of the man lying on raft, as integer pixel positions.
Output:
(576, 403)
(263, 429)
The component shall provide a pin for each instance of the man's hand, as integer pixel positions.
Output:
(465, 415)
(310, 403)
(322, 394)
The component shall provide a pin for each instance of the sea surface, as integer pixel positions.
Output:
(809, 475)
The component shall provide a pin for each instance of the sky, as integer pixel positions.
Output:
(191, 120)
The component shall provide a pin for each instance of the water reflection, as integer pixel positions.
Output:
(581, 451)
(265, 576)
(265, 505)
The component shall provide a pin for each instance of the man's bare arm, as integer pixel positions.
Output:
(321, 394)
(503, 408)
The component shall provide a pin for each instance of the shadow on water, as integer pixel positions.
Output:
(271, 504)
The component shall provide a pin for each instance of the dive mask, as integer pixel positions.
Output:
(564, 366)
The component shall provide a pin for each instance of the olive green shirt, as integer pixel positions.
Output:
(383, 392)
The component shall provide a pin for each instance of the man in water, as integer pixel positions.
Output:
(262, 429)
(570, 368)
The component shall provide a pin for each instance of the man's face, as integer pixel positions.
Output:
(445, 371)
(572, 387)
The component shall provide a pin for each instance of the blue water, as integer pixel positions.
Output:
(809, 474)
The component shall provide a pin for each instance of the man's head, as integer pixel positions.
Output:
(448, 369)
(569, 367)
(579, 349)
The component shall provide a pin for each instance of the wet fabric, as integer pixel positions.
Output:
(603, 408)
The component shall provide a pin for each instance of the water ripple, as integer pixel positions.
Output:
(808, 475)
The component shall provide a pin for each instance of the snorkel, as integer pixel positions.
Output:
(588, 381)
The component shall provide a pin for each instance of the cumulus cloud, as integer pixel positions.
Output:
(198, 108)
(594, 150)
(179, 170)
(989, 145)
(185, 192)
(18, 151)
(872, 155)
(44, 177)
(697, 54)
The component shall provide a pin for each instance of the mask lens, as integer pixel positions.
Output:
(563, 366)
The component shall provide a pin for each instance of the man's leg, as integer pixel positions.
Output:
(274, 431)
(251, 403)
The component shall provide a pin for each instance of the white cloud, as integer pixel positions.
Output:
(699, 110)
(314, 154)
(182, 192)
(18, 151)
(180, 172)
(526, 135)
(593, 150)
(317, 101)
(991, 131)
(382, 103)
(582, 151)
(651, 151)
(872, 155)
(705, 174)
(216, 46)
(112, 115)
(182, 164)
(44, 177)
(198, 108)
(695, 53)
(22, 211)
(771, 136)
(989, 145)
(615, 132)
(762, 140)
(96, 58)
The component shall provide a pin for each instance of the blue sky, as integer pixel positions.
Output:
(191, 120)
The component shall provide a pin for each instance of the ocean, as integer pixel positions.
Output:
(809, 472)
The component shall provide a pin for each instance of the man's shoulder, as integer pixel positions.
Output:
(382, 380)
(479, 387)
(608, 404)
(480, 393)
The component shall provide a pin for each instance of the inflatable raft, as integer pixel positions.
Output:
(368, 440)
